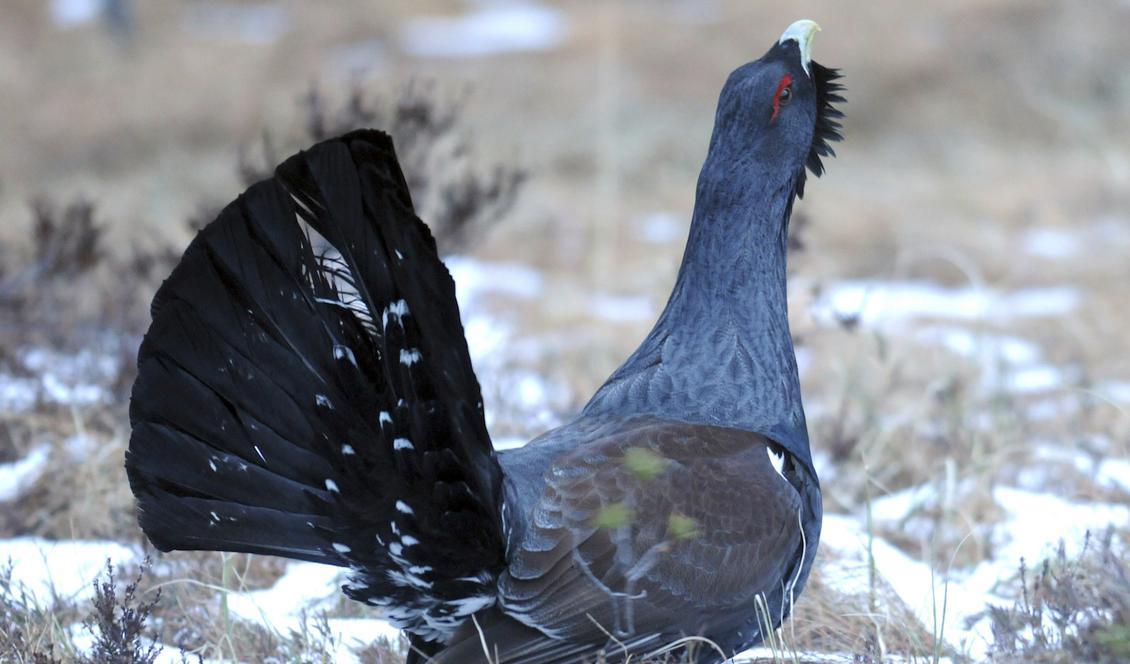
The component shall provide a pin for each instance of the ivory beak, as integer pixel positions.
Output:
(802, 31)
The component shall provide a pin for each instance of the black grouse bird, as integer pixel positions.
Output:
(305, 391)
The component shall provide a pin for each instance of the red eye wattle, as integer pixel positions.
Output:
(785, 88)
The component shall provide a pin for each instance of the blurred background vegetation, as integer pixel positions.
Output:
(987, 147)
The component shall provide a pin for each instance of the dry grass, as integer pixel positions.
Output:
(131, 623)
(969, 126)
(1069, 609)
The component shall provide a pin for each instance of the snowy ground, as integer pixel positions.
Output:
(1032, 518)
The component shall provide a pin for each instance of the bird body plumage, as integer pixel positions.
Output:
(305, 390)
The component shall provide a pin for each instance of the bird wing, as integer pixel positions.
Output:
(651, 530)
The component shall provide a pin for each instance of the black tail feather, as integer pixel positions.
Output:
(305, 390)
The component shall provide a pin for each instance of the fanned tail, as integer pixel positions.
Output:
(305, 391)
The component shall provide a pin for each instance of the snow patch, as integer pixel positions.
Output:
(475, 278)
(359, 58)
(84, 641)
(60, 569)
(57, 378)
(987, 348)
(73, 13)
(509, 442)
(1007, 362)
(899, 505)
(251, 23)
(303, 586)
(915, 584)
(622, 308)
(19, 476)
(79, 447)
(1114, 474)
(493, 351)
(1037, 521)
(531, 391)
(17, 394)
(1114, 390)
(879, 302)
(1034, 525)
(1035, 379)
(1051, 243)
(1107, 236)
(536, 400)
(661, 228)
(484, 335)
(505, 27)
(763, 654)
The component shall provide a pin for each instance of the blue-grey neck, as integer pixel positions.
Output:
(721, 352)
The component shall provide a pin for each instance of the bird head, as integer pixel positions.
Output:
(776, 115)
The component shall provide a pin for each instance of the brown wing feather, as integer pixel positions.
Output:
(644, 580)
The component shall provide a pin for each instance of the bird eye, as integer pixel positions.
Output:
(783, 95)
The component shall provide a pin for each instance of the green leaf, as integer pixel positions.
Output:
(1115, 639)
(682, 527)
(644, 463)
(613, 515)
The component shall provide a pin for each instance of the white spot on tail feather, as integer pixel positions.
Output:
(348, 450)
(332, 486)
(482, 577)
(402, 444)
(408, 540)
(397, 310)
(469, 605)
(408, 580)
(341, 548)
(409, 356)
(344, 353)
(402, 506)
(323, 401)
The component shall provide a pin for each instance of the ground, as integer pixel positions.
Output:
(957, 283)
